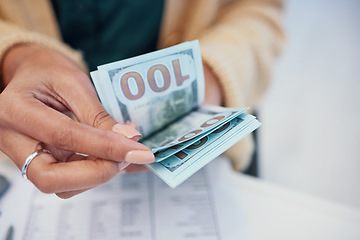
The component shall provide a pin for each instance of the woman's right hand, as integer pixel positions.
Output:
(40, 86)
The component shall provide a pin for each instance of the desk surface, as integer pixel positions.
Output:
(273, 212)
(270, 211)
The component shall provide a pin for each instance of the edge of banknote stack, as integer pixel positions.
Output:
(162, 92)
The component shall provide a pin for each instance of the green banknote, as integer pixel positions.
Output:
(162, 93)
(177, 167)
(154, 89)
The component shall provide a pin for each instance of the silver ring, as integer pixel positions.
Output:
(29, 159)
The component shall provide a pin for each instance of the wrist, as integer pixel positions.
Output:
(14, 58)
(213, 90)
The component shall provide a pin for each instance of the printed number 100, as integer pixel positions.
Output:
(162, 69)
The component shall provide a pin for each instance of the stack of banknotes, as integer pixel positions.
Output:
(162, 93)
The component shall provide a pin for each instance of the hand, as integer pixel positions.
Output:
(213, 95)
(40, 86)
(130, 167)
(213, 90)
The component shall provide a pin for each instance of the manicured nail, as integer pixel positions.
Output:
(123, 165)
(126, 131)
(139, 156)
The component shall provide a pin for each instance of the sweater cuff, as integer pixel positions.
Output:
(215, 56)
(228, 79)
(9, 40)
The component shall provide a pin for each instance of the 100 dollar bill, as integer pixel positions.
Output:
(197, 123)
(154, 89)
(178, 167)
(162, 93)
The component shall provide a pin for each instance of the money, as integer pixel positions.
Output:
(198, 122)
(162, 93)
(178, 167)
(154, 89)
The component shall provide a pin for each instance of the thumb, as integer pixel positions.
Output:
(88, 109)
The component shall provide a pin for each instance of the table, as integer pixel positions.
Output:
(267, 211)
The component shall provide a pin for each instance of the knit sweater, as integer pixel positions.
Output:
(239, 40)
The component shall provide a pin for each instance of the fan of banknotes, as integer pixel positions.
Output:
(162, 92)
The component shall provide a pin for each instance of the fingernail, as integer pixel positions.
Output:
(126, 131)
(139, 156)
(123, 165)
(122, 172)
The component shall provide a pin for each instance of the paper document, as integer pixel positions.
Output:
(142, 207)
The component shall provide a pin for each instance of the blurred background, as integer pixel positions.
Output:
(310, 138)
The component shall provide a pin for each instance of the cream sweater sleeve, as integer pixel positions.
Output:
(241, 47)
(31, 21)
(11, 35)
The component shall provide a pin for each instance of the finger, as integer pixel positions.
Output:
(79, 95)
(14, 145)
(58, 154)
(89, 110)
(135, 168)
(51, 176)
(71, 176)
(122, 170)
(56, 129)
(65, 156)
(123, 166)
(69, 194)
(78, 157)
(127, 131)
